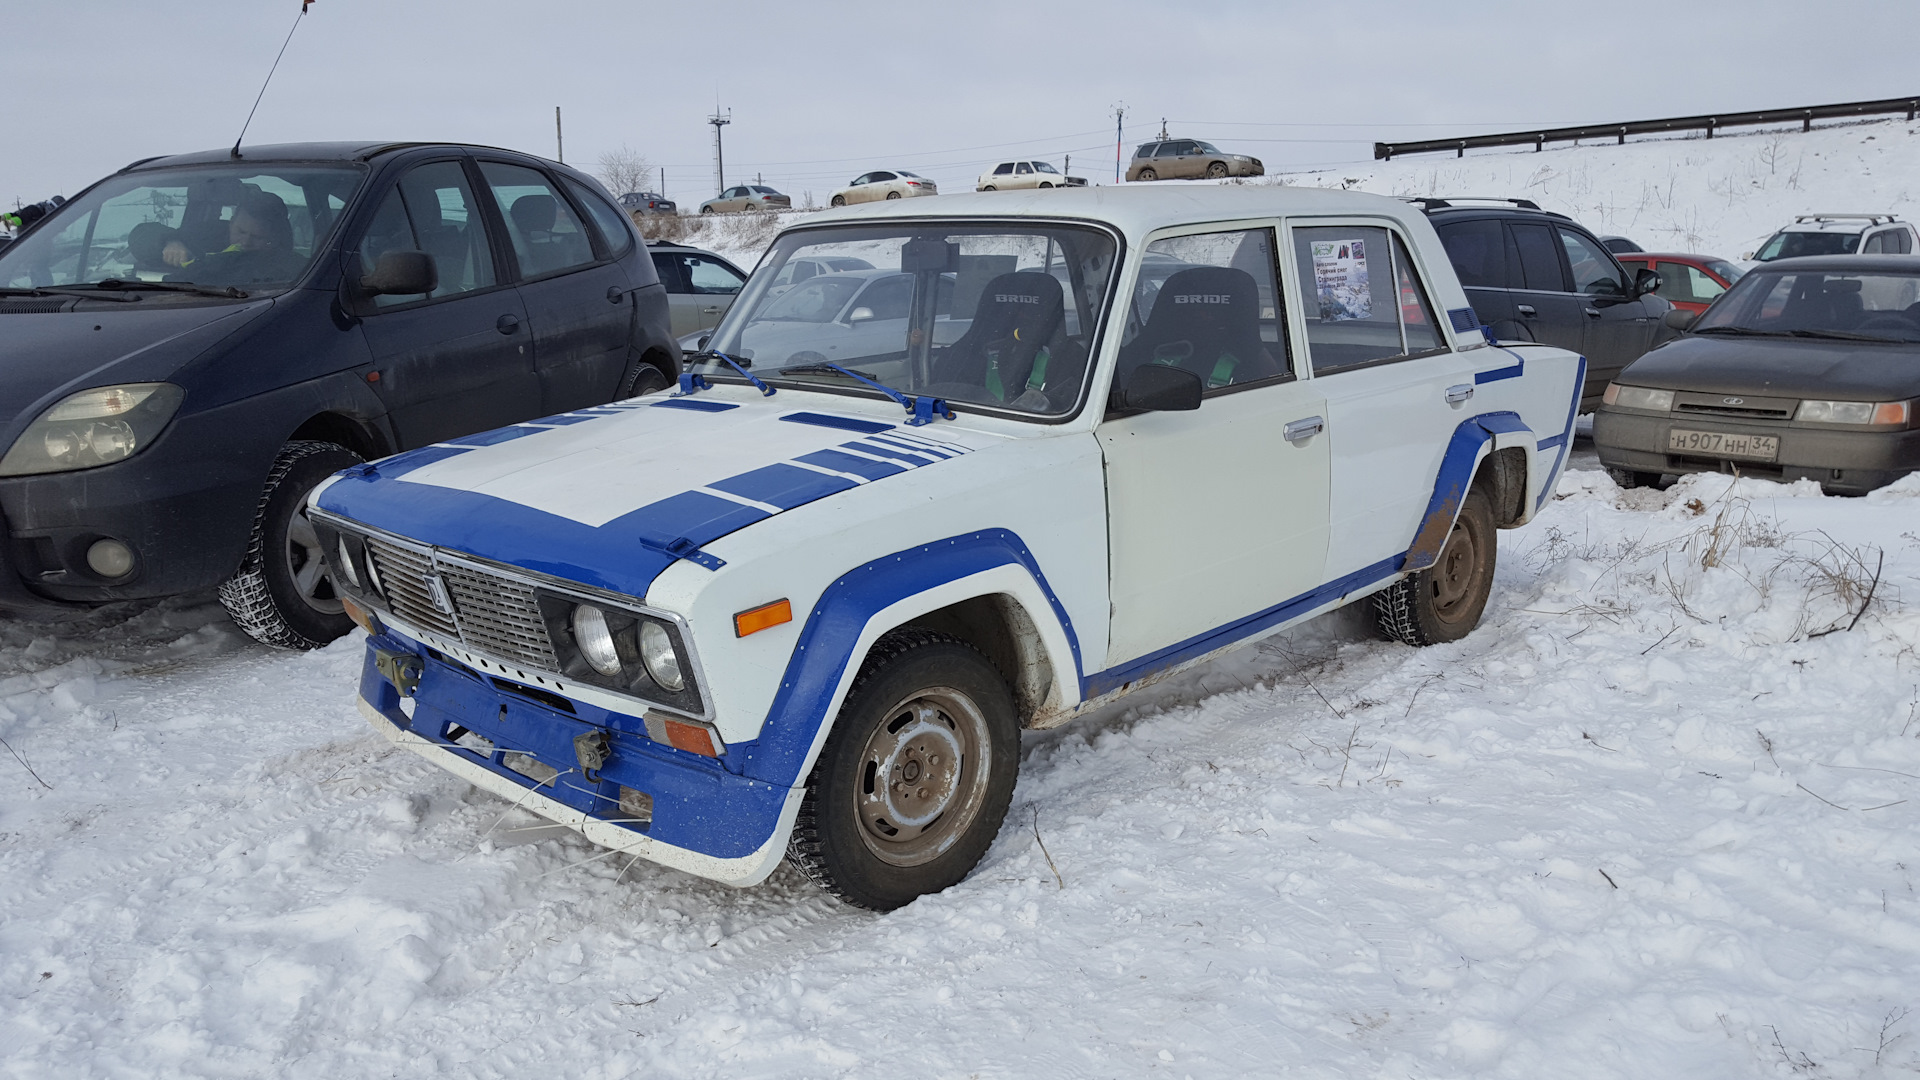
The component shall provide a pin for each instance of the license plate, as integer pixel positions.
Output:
(1721, 444)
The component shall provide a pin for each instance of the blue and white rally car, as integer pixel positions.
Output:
(803, 606)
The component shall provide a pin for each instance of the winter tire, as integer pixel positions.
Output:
(915, 777)
(1628, 478)
(283, 595)
(645, 380)
(1444, 602)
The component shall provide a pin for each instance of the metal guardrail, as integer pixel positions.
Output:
(1539, 139)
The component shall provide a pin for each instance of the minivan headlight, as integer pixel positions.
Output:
(93, 427)
(1639, 397)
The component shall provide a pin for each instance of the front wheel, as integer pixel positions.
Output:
(1629, 478)
(838, 200)
(645, 380)
(915, 777)
(1444, 602)
(283, 594)
(1217, 171)
(1044, 185)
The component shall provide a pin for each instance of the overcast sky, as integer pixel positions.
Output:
(822, 91)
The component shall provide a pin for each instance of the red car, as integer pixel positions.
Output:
(1687, 281)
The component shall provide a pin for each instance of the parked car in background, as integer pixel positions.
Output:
(803, 609)
(1806, 369)
(1189, 159)
(1009, 175)
(1534, 275)
(1839, 234)
(883, 184)
(195, 341)
(1688, 282)
(1620, 245)
(700, 285)
(647, 202)
(746, 197)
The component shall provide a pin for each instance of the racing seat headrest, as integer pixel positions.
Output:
(1205, 319)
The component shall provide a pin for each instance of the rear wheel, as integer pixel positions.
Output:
(914, 779)
(1444, 602)
(838, 200)
(1148, 174)
(893, 194)
(1629, 478)
(283, 594)
(1217, 170)
(989, 187)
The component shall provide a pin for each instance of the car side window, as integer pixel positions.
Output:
(431, 210)
(667, 267)
(1900, 242)
(1207, 303)
(1539, 262)
(707, 277)
(616, 228)
(1594, 273)
(1168, 149)
(1478, 252)
(882, 177)
(547, 236)
(1361, 298)
(1003, 169)
(1023, 168)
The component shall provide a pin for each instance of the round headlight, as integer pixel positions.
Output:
(347, 568)
(373, 576)
(656, 651)
(595, 640)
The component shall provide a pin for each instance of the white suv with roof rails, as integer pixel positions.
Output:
(801, 608)
(1839, 234)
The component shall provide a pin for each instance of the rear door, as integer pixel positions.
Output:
(574, 291)
(459, 359)
(1479, 251)
(1544, 305)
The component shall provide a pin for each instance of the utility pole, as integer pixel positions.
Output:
(718, 120)
(1119, 126)
(663, 181)
(559, 141)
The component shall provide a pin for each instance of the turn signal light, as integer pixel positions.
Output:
(764, 617)
(1891, 412)
(692, 739)
(362, 618)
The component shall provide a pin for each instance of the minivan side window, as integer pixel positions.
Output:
(1361, 298)
(616, 228)
(431, 210)
(547, 236)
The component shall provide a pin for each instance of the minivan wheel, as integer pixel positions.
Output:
(838, 200)
(1444, 602)
(915, 777)
(1217, 171)
(283, 594)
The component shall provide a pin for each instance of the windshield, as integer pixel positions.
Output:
(1725, 271)
(1792, 245)
(1001, 317)
(250, 226)
(1870, 306)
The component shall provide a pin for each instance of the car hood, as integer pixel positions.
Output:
(1781, 367)
(612, 496)
(45, 357)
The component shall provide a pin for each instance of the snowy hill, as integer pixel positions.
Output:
(1719, 196)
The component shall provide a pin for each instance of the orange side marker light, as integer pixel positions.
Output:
(764, 617)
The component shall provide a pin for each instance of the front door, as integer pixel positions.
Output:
(1216, 515)
(460, 359)
(1395, 391)
(582, 326)
(1620, 325)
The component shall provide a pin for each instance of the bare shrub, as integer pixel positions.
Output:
(624, 170)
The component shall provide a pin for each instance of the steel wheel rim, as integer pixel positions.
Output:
(923, 777)
(307, 567)
(1457, 572)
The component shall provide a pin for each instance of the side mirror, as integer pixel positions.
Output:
(702, 345)
(860, 314)
(402, 273)
(1159, 388)
(1645, 281)
(1679, 319)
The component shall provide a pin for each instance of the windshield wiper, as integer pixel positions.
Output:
(765, 390)
(1848, 335)
(924, 407)
(1748, 330)
(226, 291)
(65, 290)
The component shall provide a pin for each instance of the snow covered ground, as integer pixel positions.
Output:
(1652, 819)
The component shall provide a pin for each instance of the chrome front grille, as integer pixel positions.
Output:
(403, 574)
(498, 615)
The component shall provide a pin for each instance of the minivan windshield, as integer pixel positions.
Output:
(1793, 245)
(990, 315)
(249, 226)
(1843, 305)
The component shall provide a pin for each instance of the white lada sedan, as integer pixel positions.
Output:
(802, 606)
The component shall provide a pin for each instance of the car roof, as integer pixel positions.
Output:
(305, 151)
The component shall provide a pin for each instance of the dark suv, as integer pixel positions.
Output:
(1534, 275)
(191, 344)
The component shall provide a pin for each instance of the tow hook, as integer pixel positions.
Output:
(592, 751)
(402, 669)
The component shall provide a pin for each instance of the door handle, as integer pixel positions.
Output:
(507, 324)
(1301, 430)
(1459, 393)
(1525, 309)
(715, 310)
(1595, 312)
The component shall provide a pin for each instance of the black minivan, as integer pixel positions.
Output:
(188, 346)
